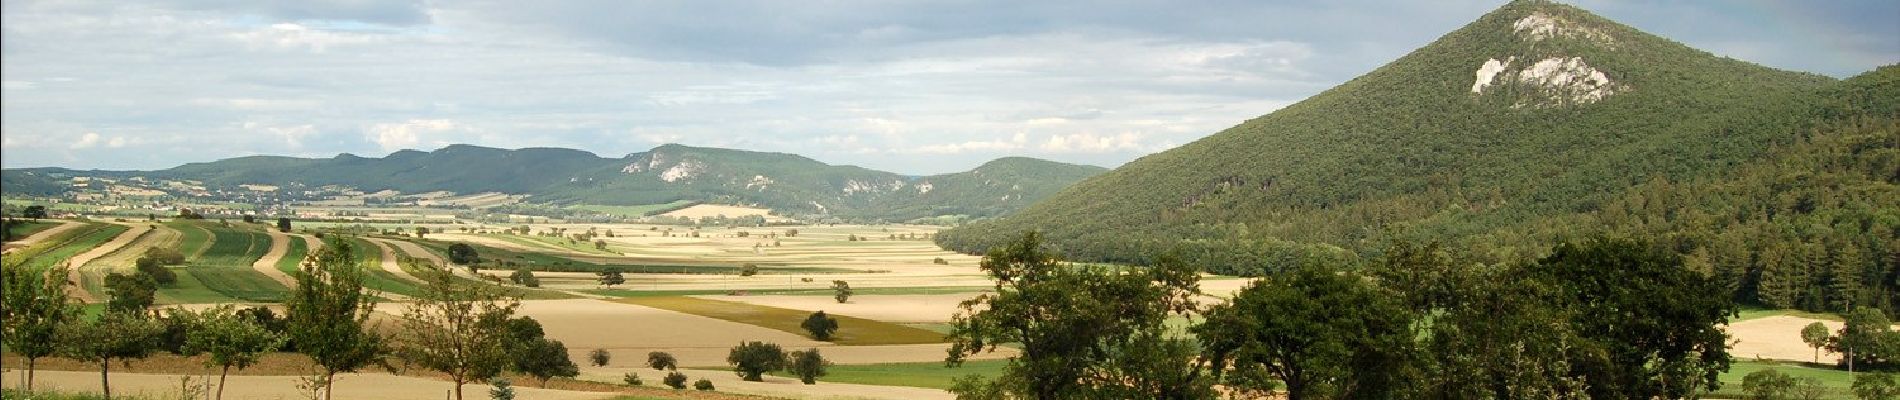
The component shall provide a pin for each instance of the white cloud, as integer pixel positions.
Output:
(86, 141)
(408, 134)
(1014, 143)
(1092, 143)
(290, 36)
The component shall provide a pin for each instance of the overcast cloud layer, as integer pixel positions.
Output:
(910, 87)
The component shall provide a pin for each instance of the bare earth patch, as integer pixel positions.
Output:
(1777, 337)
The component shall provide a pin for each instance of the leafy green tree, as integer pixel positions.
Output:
(457, 329)
(463, 254)
(230, 339)
(328, 313)
(546, 359)
(113, 336)
(131, 293)
(1085, 331)
(1650, 326)
(524, 277)
(1768, 384)
(751, 360)
(1323, 333)
(34, 212)
(631, 378)
(1876, 386)
(841, 291)
(1867, 340)
(661, 361)
(150, 267)
(283, 225)
(33, 308)
(820, 325)
(1816, 336)
(808, 365)
(611, 277)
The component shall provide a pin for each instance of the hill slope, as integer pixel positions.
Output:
(785, 182)
(1532, 112)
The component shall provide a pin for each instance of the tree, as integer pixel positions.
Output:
(130, 293)
(250, 219)
(545, 359)
(820, 325)
(599, 357)
(283, 225)
(841, 291)
(150, 267)
(1876, 386)
(661, 361)
(34, 212)
(1816, 336)
(1322, 333)
(524, 277)
(631, 378)
(611, 277)
(808, 365)
(463, 254)
(1085, 331)
(600, 244)
(230, 339)
(1867, 340)
(329, 312)
(33, 308)
(751, 360)
(1650, 326)
(749, 269)
(113, 336)
(457, 329)
(1768, 384)
(703, 384)
(675, 380)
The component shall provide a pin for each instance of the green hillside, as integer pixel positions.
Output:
(1582, 113)
(671, 173)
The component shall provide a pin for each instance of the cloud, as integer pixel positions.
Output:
(1093, 143)
(85, 141)
(408, 134)
(1015, 142)
(291, 36)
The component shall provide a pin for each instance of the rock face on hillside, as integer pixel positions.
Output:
(1533, 113)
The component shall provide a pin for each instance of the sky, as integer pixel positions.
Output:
(915, 87)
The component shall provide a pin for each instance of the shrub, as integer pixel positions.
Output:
(675, 380)
(502, 390)
(940, 261)
(160, 274)
(631, 378)
(703, 384)
(820, 325)
(808, 365)
(749, 269)
(1872, 386)
(1768, 384)
(661, 361)
(599, 357)
(841, 291)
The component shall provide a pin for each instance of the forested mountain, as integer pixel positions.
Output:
(1536, 123)
(785, 182)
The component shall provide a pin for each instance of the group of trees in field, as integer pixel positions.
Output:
(1604, 318)
(462, 329)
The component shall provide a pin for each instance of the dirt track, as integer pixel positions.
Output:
(37, 237)
(279, 246)
(73, 274)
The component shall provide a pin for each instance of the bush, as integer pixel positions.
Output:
(599, 357)
(703, 384)
(164, 256)
(160, 274)
(820, 325)
(841, 291)
(749, 269)
(808, 365)
(1768, 384)
(502, 390)
(751, 360)
(661, 361)
(940, 261)
(675, 380)
(1876, 386)
(524, 277)
(631, 378)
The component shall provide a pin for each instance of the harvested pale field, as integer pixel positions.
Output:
(267, 265)
(389, 262)
(716, 210)
(887, 308)
(773, 386)
(78, 260)
(1777, 337)
(363, 386)
(37, 237)
(161, 237)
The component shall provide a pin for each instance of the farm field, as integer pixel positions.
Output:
(64, 244)
(851, 330)
(923, 374)
(632, 211)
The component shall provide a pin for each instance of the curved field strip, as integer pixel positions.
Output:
(225, 266)
(294, 252)
(370, 257)
(195, 239)
(279, 249)
(851, 330)
(25, 232)
(413, 250)
(78, 261)
(43, 233)
(57, 249)
(162, 236)
(390, 262)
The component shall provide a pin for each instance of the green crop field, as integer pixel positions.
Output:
(1836, 381)
(371, 258)
(851, 330)
(224, 266)
(922, 374)
(194, 238)
(22, 229)
(634, 211)
(58, 249)
(293, 258)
